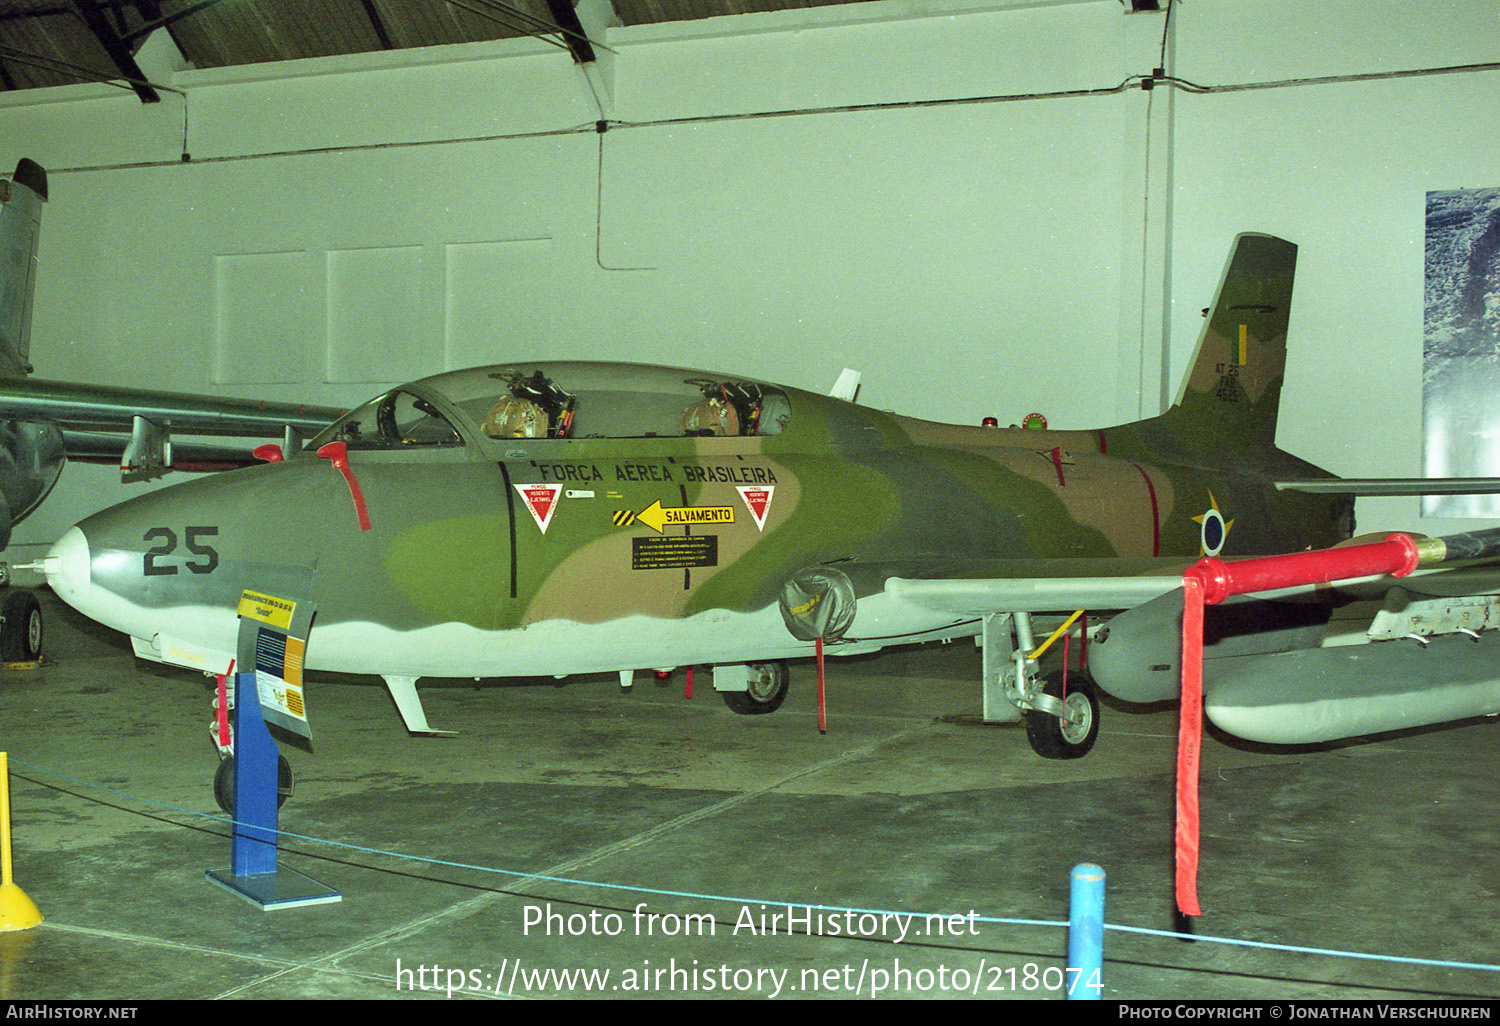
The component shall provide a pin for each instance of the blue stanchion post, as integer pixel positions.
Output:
(1085, 970)
(252, 846)
(253, 873)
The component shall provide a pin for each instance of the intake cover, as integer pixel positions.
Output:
(817, 603)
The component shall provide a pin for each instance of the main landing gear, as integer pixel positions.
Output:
(20, 621)
(20, 627)
(1062, 714)
(1068, 728)
(767, 689)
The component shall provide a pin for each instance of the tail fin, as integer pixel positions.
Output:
(1234, 389)
(20, 228)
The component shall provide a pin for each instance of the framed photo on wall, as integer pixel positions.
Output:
(1461, 347)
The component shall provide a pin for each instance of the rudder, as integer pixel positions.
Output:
(1234, 388)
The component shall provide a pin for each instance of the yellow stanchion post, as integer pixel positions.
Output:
(17, 911)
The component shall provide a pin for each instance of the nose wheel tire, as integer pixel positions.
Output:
(768, 684)
(224, 783)
(1072, 736)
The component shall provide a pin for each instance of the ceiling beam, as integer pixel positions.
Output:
(35, 12)
(93, 14)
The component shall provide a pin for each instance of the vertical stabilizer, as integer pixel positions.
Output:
(20, 228)
(1234, 388)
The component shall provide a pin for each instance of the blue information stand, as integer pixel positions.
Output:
(253, 873)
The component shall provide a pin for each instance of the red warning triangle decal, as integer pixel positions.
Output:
(541, 499)
(758, 501)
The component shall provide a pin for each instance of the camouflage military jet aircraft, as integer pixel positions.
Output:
(549, 518)
(552, 518)
(44, 423)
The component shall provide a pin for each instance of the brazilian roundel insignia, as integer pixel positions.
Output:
(1214, 529)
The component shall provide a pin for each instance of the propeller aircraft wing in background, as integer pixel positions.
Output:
(45, 423)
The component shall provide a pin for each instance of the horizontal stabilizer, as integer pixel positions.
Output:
(1322, 694)
(1394, 486)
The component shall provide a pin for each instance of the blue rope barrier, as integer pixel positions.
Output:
(663, 892)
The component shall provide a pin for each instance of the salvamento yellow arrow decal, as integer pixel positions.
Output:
(657, 516)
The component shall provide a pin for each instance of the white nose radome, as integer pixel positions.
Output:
(67, 566)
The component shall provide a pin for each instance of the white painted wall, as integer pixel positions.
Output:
(347, 223)
(1342, 169)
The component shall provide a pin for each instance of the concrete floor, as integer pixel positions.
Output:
(907, 804)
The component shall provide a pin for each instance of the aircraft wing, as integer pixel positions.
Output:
(40, 418)
(110, 448)
(66, 402)
(1398, 653)
(1297, 665)
(1043, 586)
(136, 425)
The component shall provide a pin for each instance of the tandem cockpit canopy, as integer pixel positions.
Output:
(562, 400)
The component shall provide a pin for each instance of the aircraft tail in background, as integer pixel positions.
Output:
(20, 228)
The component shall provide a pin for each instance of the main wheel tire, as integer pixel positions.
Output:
(1069, 738)
(768, 684)
(224, 783)
(20, 628)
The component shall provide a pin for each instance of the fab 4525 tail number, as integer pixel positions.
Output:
(207, 557)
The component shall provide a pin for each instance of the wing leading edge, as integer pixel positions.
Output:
(1034, 593)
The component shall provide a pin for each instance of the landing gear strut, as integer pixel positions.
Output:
(224, 775)
(1061, 723)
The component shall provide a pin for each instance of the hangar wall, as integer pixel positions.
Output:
(964, 200)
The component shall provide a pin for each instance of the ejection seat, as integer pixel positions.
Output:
(710, 416)
(515, 418)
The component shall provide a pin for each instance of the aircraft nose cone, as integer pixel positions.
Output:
(67, 566)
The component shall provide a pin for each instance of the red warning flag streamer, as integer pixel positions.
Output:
(822, 707)
(221, 713)
(1189, 743)
(1211, 581)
